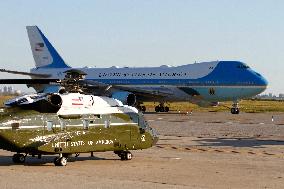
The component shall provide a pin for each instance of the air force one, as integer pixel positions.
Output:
(205, 83)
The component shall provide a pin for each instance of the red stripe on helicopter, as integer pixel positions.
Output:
(76, 99)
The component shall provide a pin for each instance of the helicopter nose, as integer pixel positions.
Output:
(155, 140)
(154, 136)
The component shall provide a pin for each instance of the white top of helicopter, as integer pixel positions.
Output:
(80, 104)
(76, 104)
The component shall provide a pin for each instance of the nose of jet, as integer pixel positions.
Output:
(261, 80)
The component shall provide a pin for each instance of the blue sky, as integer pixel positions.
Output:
(148, 33)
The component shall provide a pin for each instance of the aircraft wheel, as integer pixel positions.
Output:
(56, 161)
(235, 110)
(143, 108)
(19, 158)
(62, 161)
(126, 155)
(167, 109)
(157, 109)
(22, 158)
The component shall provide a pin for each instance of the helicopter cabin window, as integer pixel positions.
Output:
(15, 125)
(85, 124)
(49, 125)
(107, 123)
(62, 124)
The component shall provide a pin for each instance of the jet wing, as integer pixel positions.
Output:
(103, 88)
(144, 92)
(28, 81)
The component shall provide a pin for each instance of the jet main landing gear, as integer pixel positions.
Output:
(141, 108)
(162, 108)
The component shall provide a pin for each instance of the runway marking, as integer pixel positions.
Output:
(218, 150)
(234, 151)
(250, 152)
(269, 154)
(212, 150)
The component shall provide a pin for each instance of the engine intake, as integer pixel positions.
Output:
(55, 100)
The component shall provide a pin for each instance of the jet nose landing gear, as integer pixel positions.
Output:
(235, 108)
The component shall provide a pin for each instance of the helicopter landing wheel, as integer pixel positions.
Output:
(60, 161)
(126, 155)
(56, 161)
(19, 158)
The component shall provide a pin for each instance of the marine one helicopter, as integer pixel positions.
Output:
(72, 123)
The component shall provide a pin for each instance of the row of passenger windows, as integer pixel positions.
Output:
(51, 125)
(117, 74)
(182, 82)
(103, 120)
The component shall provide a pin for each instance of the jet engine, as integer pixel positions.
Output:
(125, 97)
(55, 100)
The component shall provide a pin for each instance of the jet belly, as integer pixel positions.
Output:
(227, 93)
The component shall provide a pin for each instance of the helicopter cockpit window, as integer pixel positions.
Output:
(49, 125)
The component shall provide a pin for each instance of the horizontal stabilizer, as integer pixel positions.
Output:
(25, 73)
(28, 81)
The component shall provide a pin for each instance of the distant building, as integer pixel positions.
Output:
(10, 89)
(5, 89)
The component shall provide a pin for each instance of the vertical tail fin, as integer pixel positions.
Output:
(44, 53)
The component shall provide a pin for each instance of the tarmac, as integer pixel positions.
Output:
(198, 150)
